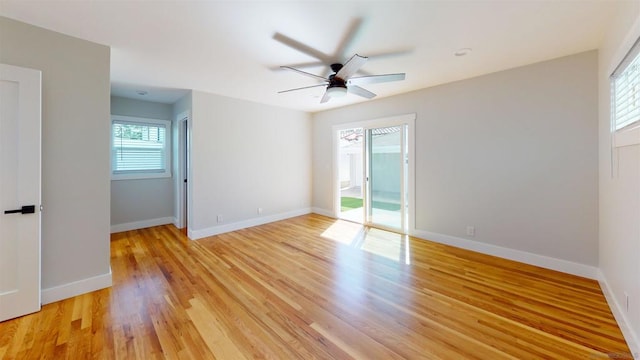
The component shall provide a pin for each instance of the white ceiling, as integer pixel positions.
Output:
(228, 47)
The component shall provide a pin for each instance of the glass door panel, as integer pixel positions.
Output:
(387, 175)
(350, 158)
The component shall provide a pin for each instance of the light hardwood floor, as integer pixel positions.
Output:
(312, 287)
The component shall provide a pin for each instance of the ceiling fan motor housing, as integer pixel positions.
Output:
(336, 82)
(335, 67)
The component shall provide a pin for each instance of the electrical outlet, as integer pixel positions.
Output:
(471, 230)
(259, 211)
(220, 219)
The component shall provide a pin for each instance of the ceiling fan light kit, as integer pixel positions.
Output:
(337, 91)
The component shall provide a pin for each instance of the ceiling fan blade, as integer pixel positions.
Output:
(389, 54)
(351, 66)
(294, 44)
(304, 73)
(301, 65)
(325, 97)
(374, 79)
(301, 88)
(347, 40)
(357, 90)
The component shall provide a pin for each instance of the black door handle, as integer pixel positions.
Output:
(27, 209)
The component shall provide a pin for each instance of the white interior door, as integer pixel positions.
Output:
(19, 191)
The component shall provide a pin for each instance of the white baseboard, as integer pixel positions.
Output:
(76, 288)
(142, 224)
(546, 262)
(623, 322)
(216, 230)
(323, 212)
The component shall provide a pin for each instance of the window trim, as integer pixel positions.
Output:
(629, 133)
(133, 174)
(627, 136)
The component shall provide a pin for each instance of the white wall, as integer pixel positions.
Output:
(619, 251)
(141, 202)
(75, 154)
(512, 153)
(244, 156)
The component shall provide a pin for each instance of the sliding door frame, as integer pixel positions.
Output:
(369, 218)
(398, 120)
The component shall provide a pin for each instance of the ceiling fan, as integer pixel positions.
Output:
(342, 80)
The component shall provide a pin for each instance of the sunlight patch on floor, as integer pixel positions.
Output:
(343, 232)
(384, 243)
(388, 244)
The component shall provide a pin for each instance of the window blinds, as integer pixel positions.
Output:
(138, 147)
(625, 84)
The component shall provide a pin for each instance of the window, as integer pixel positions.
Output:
(139, 148)
(625, 87)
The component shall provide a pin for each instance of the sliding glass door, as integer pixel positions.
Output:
(373, 174)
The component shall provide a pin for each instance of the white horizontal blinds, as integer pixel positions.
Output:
(625, 83)
(138, 147)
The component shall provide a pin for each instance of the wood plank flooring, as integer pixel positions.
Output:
(312, 287)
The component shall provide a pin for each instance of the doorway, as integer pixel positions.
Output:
(181, 156)
(374, 171)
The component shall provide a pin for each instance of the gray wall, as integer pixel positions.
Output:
(75, 148)
(512, 153)
(246, 156)
(141, 201)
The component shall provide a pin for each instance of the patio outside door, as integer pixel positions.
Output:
(351, 174)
